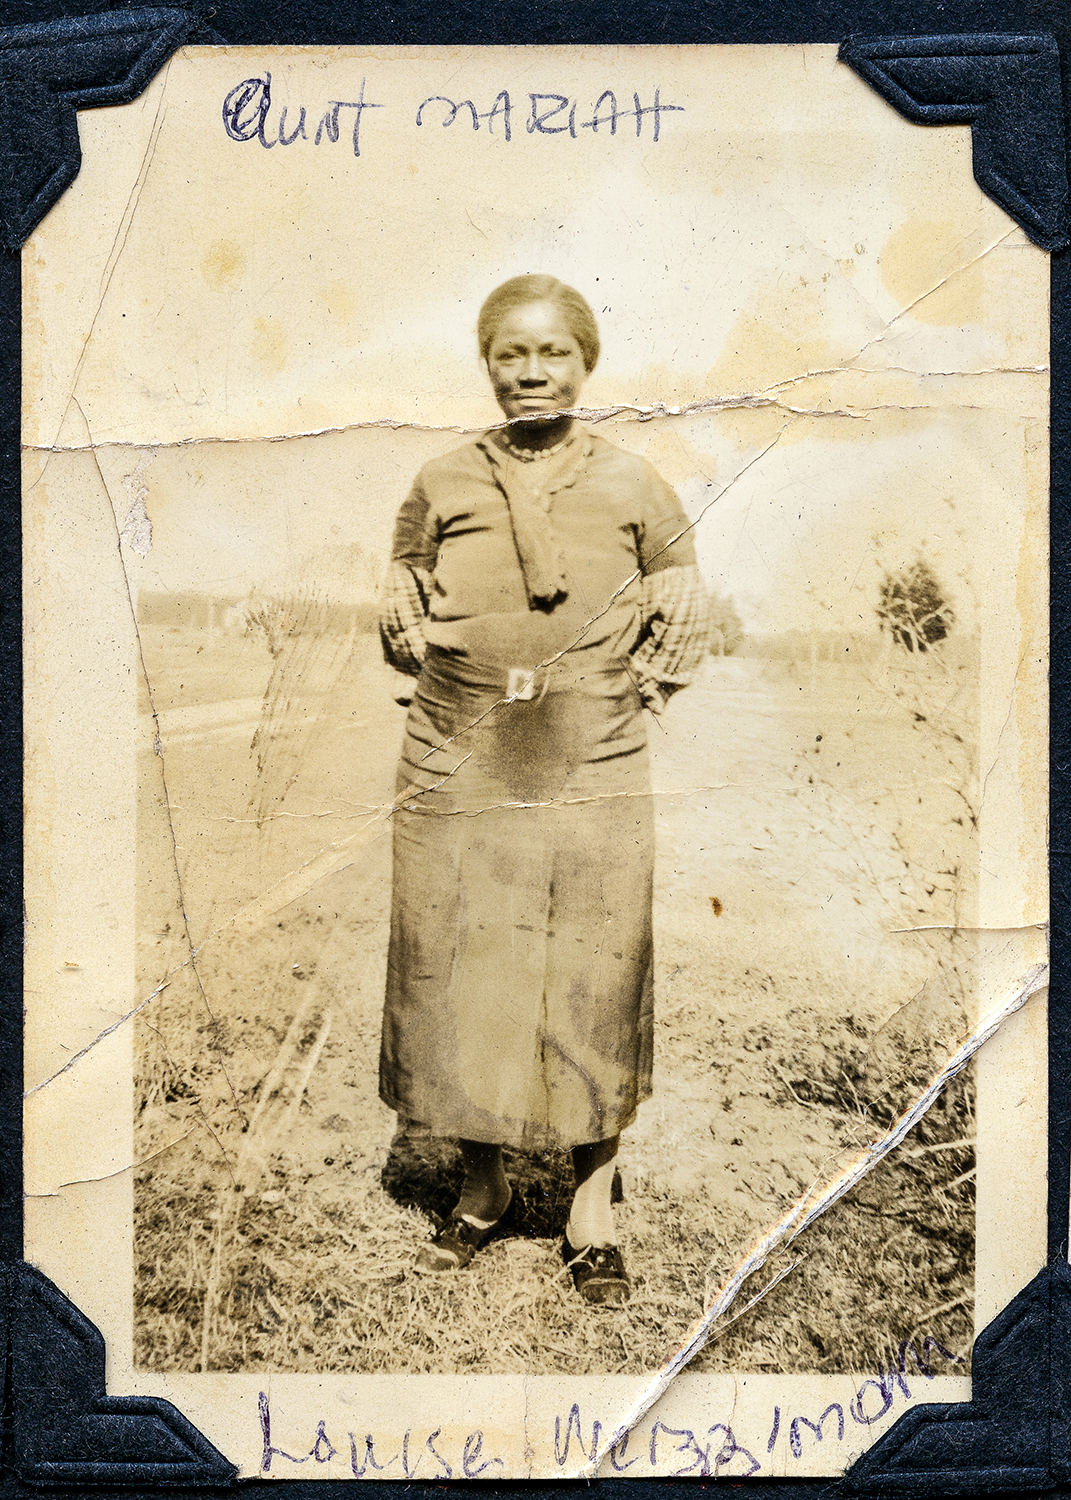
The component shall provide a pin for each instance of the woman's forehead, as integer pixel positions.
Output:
(534, 320)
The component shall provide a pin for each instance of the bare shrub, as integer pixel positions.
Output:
(913, 608)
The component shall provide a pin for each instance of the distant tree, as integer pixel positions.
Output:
(912, 606)
(726, 626)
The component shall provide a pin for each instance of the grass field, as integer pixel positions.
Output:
(804, 814)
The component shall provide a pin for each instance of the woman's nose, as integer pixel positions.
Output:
(532, 370)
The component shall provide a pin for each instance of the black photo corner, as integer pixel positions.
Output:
(1003, 68)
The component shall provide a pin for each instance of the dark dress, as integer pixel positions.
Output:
(519, 986)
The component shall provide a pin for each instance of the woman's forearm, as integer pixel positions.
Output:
(674, 634)
(402, 614)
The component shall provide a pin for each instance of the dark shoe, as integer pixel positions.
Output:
(599, 1273)
(456, 1243)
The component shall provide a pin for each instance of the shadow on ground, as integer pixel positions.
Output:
(425, 1172)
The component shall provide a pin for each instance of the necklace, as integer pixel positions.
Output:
(532, 455)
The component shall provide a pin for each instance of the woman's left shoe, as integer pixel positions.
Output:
(599, 1273)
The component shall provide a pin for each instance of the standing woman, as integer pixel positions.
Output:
(543, 589)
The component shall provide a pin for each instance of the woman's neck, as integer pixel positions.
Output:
(535, 437)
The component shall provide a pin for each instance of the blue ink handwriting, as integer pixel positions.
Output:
(245, 116)
(863, 1407)
(702, 1459)
(545, 108)
(248, 115)
(501, 107)
(323, 1451)
(699, 1453)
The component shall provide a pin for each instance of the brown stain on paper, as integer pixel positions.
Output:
(914, 259)
(781, 338)
(223, 265)
(340, 300)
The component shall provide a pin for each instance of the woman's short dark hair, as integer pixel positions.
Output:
(520, 291)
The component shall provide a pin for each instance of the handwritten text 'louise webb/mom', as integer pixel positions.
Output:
(248, 115)
(655, 1448)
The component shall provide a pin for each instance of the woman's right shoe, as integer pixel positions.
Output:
(599, 1273)
(457, 1241)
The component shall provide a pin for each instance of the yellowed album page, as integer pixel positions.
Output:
(680, 780)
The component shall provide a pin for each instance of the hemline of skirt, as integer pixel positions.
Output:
(532, 1139)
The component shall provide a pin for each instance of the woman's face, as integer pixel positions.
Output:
(534, 362)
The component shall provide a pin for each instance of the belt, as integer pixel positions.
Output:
(519, 684)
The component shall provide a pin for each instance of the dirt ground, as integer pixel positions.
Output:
(803, 812)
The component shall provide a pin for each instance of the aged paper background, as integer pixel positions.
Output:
(237, 355)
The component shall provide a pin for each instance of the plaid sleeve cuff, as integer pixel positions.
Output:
(403, 610)
(674, 634)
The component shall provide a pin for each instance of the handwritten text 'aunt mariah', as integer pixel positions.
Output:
(248, 115)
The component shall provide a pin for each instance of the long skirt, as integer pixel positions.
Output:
(519, 983)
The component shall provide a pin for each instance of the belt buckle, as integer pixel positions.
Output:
(521, 683)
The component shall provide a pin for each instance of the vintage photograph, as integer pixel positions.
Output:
(448, 1030)
(566, 530)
